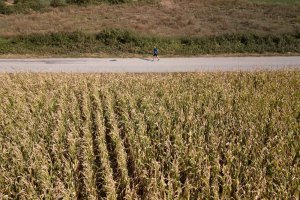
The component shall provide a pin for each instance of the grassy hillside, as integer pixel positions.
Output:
(176, 18)
(170, 21)
(179, 136)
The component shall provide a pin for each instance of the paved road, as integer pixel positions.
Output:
(200, 64)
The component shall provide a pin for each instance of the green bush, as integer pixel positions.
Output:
(116, 36)
(116, 41)
(4, 9)
(57, 39)
(80, 2)
(24, 6)
(57, 3)
(119, 1)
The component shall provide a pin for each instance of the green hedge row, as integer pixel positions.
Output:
(115, 41)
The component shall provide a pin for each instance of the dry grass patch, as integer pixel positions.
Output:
(170, 18)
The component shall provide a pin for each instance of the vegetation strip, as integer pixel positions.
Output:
(120, 42)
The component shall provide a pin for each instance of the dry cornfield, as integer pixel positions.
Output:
(150, 136)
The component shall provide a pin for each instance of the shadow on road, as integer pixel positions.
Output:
(146, 59)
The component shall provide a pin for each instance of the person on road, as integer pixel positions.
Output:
(155, 53)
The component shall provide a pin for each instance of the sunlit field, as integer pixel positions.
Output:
(173, 136)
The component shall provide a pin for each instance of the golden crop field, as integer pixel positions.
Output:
(150, 136)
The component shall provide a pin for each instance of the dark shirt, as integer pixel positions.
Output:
(155, 51)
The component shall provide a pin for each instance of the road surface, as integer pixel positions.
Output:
(140, 65)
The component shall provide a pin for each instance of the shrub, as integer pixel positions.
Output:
(115, 36)
(80, 2)
(5, 9)
(24, 6)
(122, 1)
(57, 3)
(119, 1)
(123, 41)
